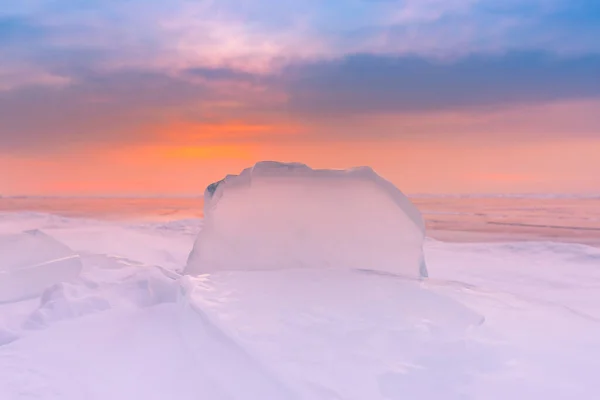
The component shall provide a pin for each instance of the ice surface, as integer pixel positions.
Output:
(286, 216)
(319, 340)
(31, 261)
(127, 329)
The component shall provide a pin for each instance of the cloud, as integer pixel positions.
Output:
(262, 35)
(103, 109)
(344, 98)
(383, 84)
(14, 29)
(104, 72)
(98, 109)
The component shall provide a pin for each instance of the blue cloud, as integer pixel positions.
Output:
(367, 83)
(15, 30)
(98, 108)
(368, 57)
(133, 31)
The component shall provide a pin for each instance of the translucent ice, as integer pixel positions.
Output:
(285, 216)
(32, 261)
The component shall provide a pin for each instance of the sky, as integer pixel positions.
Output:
(162, 97)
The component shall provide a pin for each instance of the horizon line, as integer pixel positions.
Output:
(541, 195)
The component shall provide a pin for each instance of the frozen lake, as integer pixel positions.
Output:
(511, 310)
(448, 218)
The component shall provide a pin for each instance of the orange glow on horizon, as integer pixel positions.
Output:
(415, 167)
(238, 131)
(433, 153)
(172, 153)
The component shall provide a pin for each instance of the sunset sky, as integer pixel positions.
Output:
(162, 97)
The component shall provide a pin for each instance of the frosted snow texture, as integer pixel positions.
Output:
(32, 261)
(320, 338)
(282, 216)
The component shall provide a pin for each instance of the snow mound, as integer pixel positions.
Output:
(32, 261)
(64, 301)
(286, 216)
(319, 340)
(7, 336)
(111, 283)
(148, 287)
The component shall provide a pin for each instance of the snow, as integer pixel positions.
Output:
(494, 321)
(31, 261)
(286, 216)
(316, 345)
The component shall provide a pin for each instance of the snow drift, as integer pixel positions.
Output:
(289, 216)
(318, 340)
(32, 261)
(314, 334)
